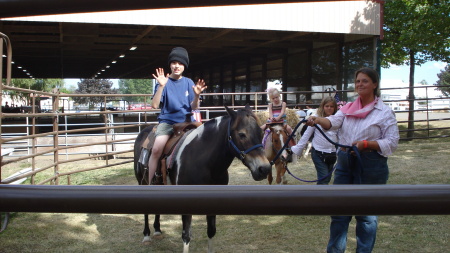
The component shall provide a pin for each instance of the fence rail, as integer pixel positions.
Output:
(111, 127)
(230, 200)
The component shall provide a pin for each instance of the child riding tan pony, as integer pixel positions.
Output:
(273, 142)
(275, 136)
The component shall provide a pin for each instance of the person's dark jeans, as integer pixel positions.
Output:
(322, 167)
(374, 170)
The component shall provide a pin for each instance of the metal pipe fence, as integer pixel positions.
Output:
(230, 200)
(28, 144)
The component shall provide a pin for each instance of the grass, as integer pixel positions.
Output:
(415, 162)
(423, 133)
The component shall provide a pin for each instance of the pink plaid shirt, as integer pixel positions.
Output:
(379, 125)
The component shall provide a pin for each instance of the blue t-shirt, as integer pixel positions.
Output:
(176, 100)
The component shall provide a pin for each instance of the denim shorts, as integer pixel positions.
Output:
(164, 129)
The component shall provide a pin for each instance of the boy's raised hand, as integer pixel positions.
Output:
(160, 77)
(199, 87)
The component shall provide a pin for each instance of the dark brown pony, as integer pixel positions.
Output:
(203, 158)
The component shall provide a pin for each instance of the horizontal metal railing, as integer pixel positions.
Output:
(27, 141)
(230, 200)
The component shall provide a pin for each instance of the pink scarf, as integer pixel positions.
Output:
(355, 109)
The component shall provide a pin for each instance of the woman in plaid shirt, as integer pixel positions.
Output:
(371, 126)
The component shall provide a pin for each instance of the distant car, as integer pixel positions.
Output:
(139, 107)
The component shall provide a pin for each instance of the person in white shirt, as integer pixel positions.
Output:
(301, 114)
(309, 109)
(323, 153)
(371, 126)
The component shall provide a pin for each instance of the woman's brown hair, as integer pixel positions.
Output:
(373, 75)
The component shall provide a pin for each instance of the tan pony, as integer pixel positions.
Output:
(274, 141)
(275, 137)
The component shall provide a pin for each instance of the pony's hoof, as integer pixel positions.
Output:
(146, 240)
(157, 233)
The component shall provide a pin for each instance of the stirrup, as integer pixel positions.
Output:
(143, 158)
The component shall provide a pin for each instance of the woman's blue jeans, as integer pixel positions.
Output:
(374, 170)
(322, 168)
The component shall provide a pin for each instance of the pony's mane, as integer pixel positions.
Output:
(247, 113)
(278, 127)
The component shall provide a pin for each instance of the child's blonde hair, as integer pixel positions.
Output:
(272, 92)
(326, 100)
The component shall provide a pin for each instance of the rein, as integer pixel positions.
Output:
(276, 151)
(353, 148)
(287, 142)
(239, 153)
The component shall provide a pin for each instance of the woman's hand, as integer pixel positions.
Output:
(312, 120)
(364, 144)
(160, 77)
(324, 122)
(199, 87)
(358, 144)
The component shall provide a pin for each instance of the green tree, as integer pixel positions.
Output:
(46, 85)
(444, 80)
(416, 31)
(136, 86)
(424, 82)
(94, 86)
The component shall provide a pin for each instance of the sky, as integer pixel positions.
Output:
(74, 82)
(398, 76)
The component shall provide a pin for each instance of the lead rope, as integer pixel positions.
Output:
(353, 148)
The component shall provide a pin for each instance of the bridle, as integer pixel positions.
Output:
(281, 149)
(240, 154)
(350, 149)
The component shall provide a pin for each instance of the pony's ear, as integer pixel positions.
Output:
(230, 112)
(248, 108)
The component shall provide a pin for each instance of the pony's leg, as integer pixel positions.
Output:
(283, 176)
(270, 178)
(211, 221)
(146, 232)
(284, 179)
(156, 225)
(279, 168)
(186, 234)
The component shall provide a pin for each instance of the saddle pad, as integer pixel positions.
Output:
(175, 149)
